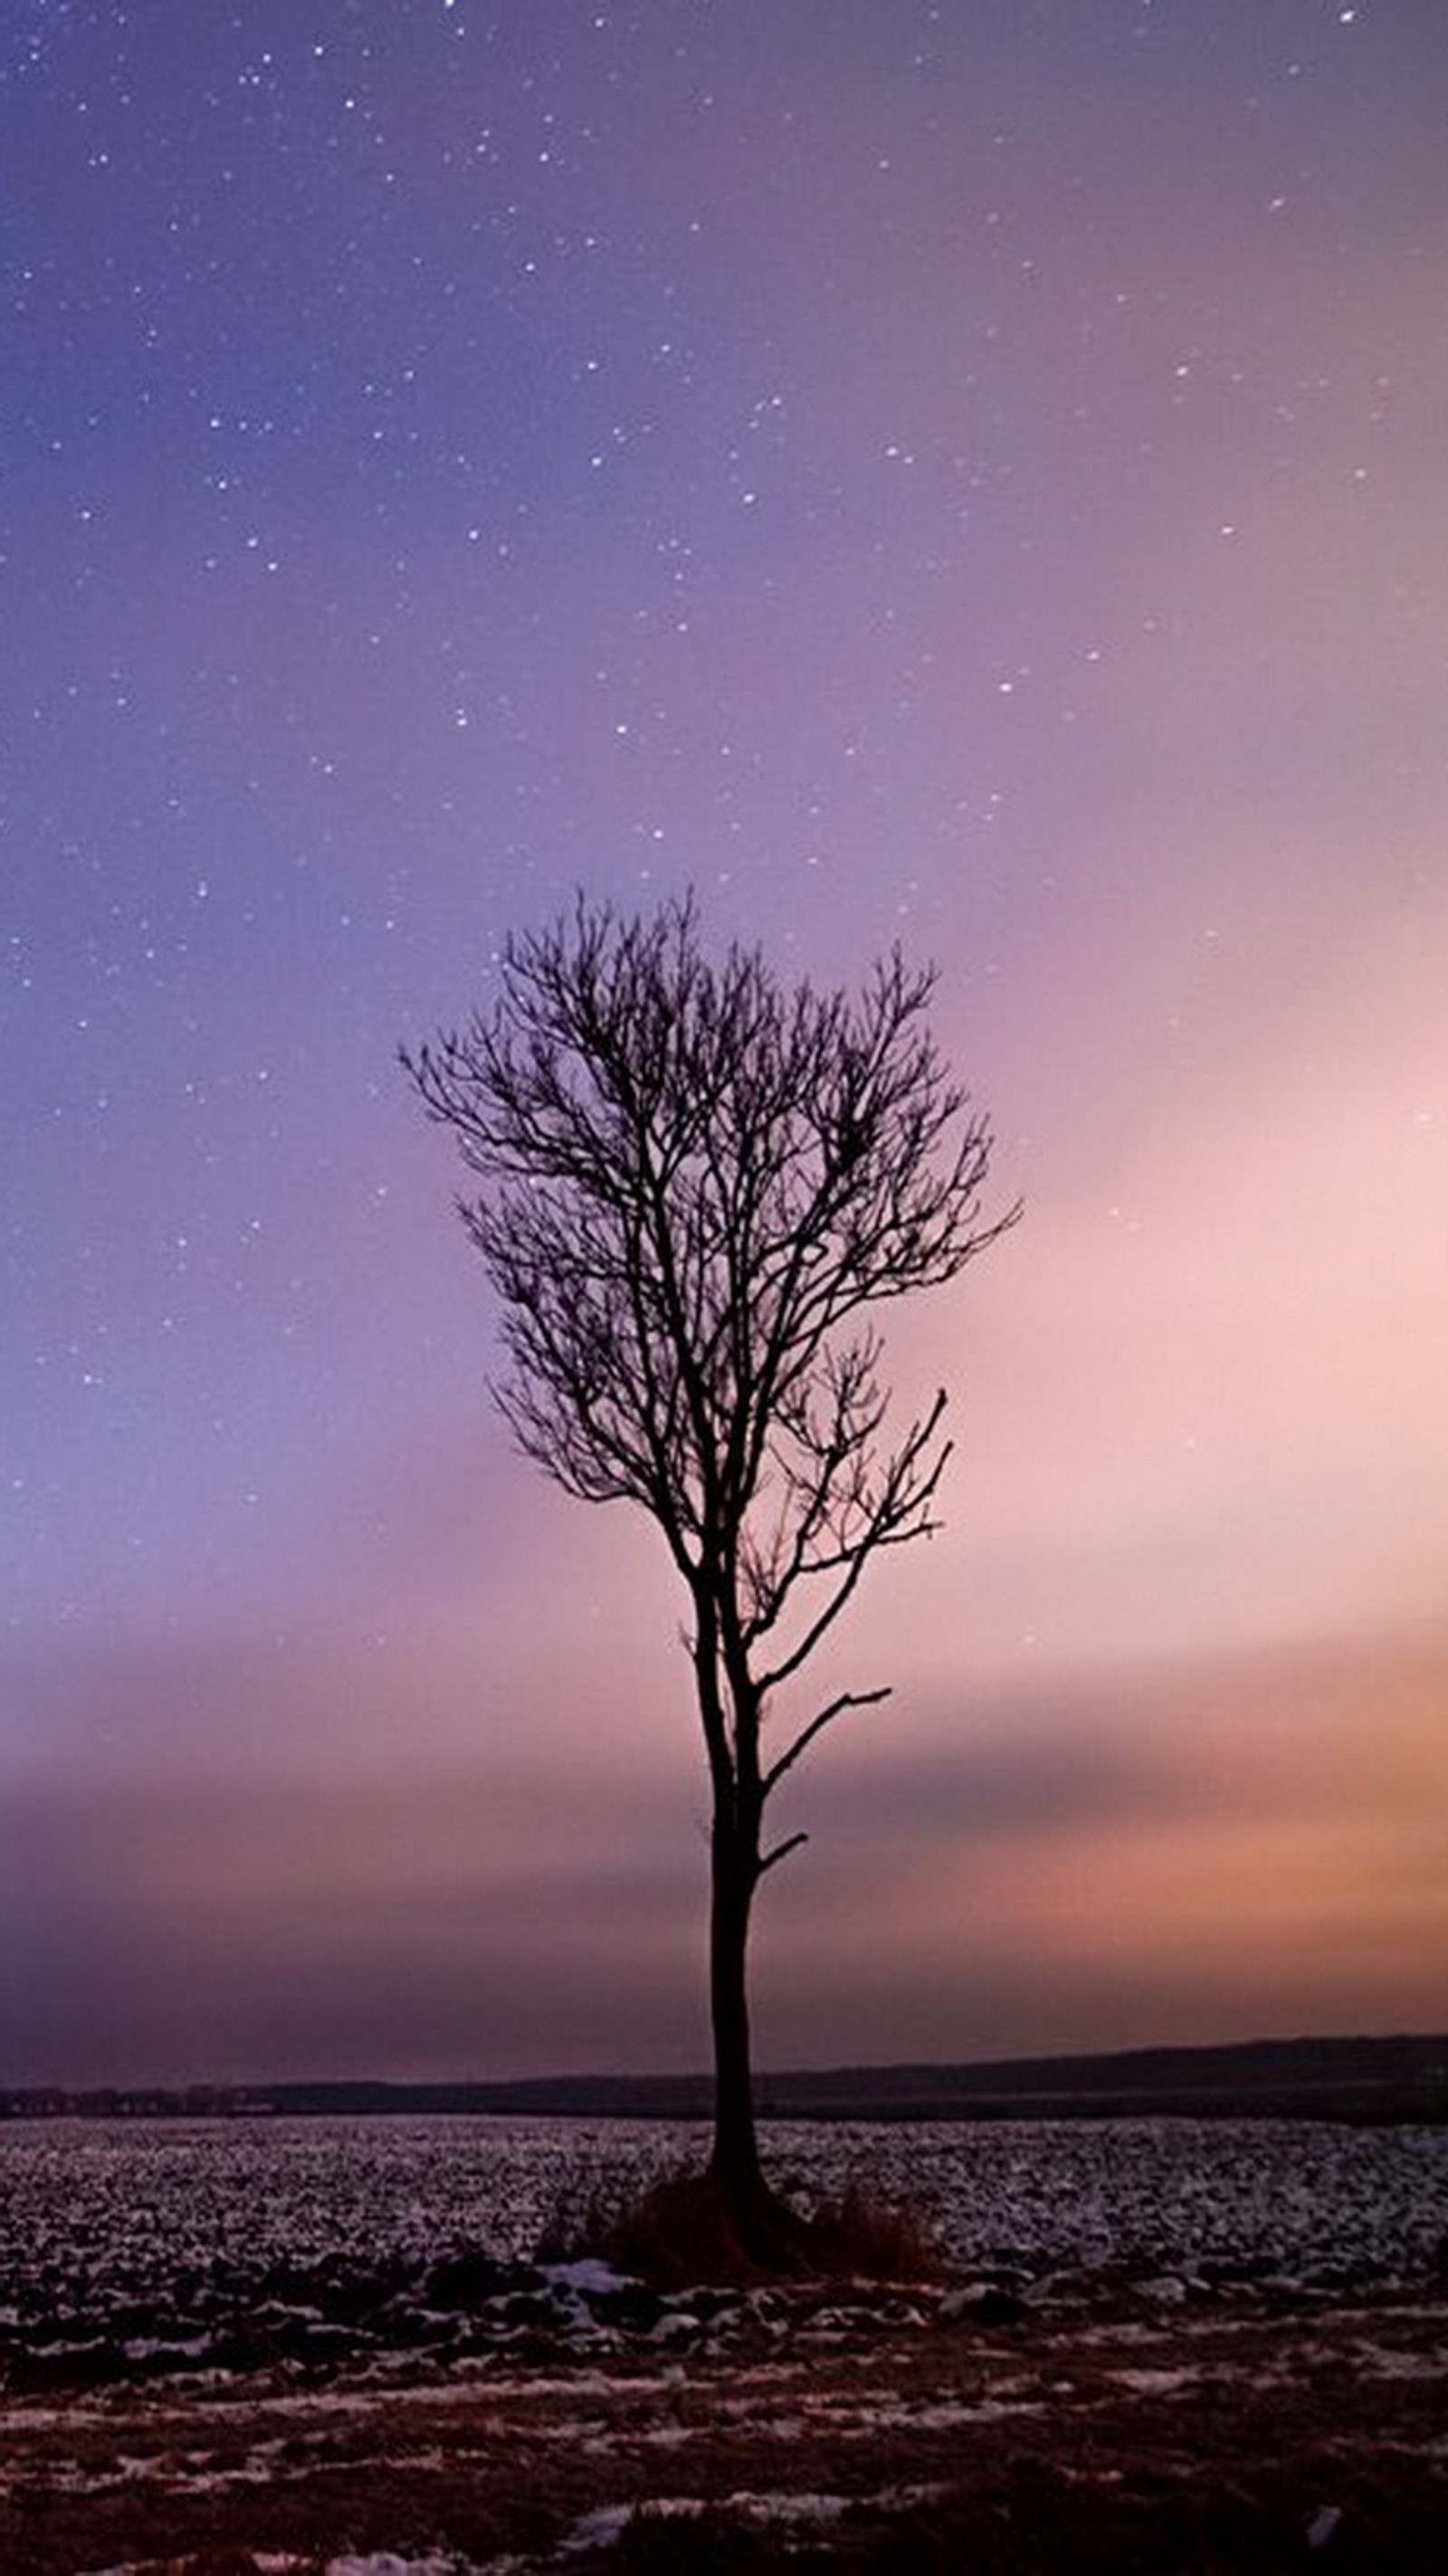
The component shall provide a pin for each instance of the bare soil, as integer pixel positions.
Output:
(1128, 2435)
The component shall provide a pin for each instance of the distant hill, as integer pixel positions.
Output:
(1395, 2079)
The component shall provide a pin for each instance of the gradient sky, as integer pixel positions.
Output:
(970, 473)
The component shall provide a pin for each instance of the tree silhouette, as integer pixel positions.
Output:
(697, 1185)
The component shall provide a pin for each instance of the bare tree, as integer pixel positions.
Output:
(697, 1185)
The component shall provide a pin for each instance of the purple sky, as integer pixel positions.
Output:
(967, 473)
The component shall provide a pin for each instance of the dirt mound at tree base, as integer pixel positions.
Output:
(689, 2229)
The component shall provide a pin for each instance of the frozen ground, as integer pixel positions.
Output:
(136, 2246)
(324, 2346)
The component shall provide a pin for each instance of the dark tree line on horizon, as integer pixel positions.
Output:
(1402, 2077)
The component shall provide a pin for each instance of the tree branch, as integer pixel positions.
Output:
(781, 1851)
(691, 1183)
(816, 1726)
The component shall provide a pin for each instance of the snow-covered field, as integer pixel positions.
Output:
(155, 2246)
(327, 2345)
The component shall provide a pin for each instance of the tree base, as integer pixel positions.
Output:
(704, 2228)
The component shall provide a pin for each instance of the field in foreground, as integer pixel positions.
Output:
(854, 2432)
(1156, 2346)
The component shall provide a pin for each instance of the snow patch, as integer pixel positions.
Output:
(602, 2528)
(597, 2530)
(590, 2278)
(1156, 2383)
(383, 2563)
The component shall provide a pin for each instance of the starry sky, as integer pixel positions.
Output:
(969, 474)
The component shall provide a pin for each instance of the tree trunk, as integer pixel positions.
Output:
(735, 2161)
